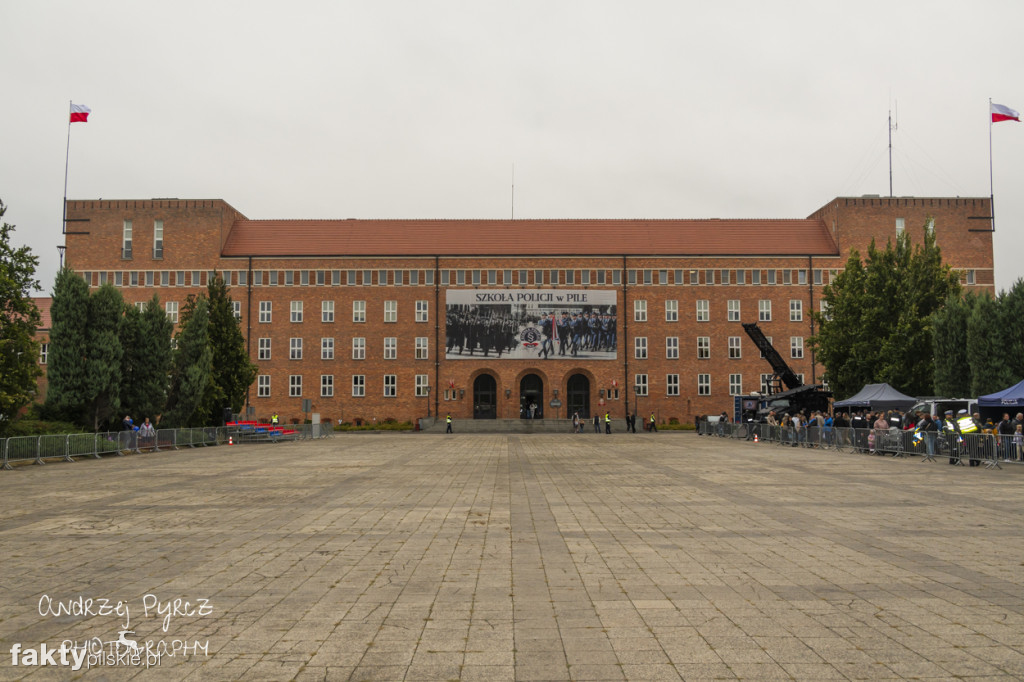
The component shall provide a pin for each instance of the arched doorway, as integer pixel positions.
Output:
(578, 396)
(485, 394)
(531, 397)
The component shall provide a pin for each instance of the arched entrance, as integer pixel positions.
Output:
(485, 394)
(531, 397)
(578, 396)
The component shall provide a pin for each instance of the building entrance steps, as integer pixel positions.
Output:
(433, 425)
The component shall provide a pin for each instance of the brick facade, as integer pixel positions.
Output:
(194, 234)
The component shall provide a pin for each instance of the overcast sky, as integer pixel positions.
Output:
(421, 109)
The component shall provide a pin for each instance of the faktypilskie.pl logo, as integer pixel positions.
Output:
(124, 649)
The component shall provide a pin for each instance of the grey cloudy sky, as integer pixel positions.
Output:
(420, 109)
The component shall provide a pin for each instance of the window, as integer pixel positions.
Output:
(662, 276)
(382, 278)
(126, 240)
(327, 311)
(671, 311)
(492, 277)
(391, 311)
(506, 277)
(671, 384)
(523, 277)
(236, 308)
(825, 311)
(414, 277)
(930, 226)
(734, 347)
(358, 385)
(755, 277)
(295, 348)
(969, 277)
(390, 385)
(422, 383)
(263, 386)
(769, 339)
(585, 277)
(616, 277)
(422, 349)
(133, 279)
(359, 311)
(741, 277)
(640, 311)
(817, 277)
(640, 382)
(735, 384)
(266, 309)
(765, 383)
(796, 311)
(243, 278)
(358, 348)
(733, 310)
(900, 224)
(476, 277)
(296, 311)
(158, 239)
(264, 349)
(390, 347)
(709, 276)
(724, 276)
(327, 348)
(771, 277)
(796, 346)
(672, 347)
(272, 277)
(172, 311)
(648, 277)
(640, 347)
(422, 311)
(165, 278)
(326, 385)
(703, 311)
(304, 277)
(350, 278)
(764, 310)
(44, 352)
(801, 277)
(694, 277)
(295, 386)
(703, 347)
(703, 384)
(398, 277)
(787, 276)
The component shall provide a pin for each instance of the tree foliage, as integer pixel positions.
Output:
(191, 388)
(146, 341)
(69, 319)
(19, 320)
(233, 371)
(103, 355)
(949, 344)
(878, 325)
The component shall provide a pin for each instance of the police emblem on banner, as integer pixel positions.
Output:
(530, 337)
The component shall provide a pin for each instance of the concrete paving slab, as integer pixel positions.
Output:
(513, 557)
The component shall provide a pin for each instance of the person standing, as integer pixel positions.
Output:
(654, 423)
(597, 424)
(448, 421)
(607, 422)
(147, 434)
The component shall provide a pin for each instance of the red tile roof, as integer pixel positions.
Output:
(798, 237)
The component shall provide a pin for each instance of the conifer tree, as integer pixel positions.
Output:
(66, 393)
(19, 319)
(192, 367)
(233, 371)
(102, 368)
(952, 372)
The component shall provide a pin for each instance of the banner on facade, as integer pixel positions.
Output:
(530, 324)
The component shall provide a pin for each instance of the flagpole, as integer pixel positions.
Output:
(67, 154)
(991, 183)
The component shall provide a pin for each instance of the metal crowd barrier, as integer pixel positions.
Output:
(66, 447)
(973, 449)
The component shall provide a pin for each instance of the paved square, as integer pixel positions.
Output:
(541, 557)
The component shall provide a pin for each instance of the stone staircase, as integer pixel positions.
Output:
(435, 425)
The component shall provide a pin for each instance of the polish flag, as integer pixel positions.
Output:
(1001, 113)
(80, 113)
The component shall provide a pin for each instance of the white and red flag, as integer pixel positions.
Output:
(80, 113)
(1001, 113)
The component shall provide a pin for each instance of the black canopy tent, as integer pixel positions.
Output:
(878, 397)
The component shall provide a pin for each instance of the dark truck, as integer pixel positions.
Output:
(796, 395)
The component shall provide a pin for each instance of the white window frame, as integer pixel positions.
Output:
(327, 348)
(640, 381)
(295, 348)
(296, 311)
(640, 310)
(390, 311)
(796, 347)
(390, 385)
(764, 310)
(735, 348)
(672, 311)
(358, 385)
(358, 348)
(796, 310)
(671, 384)
(294, 385)
(735, 384)
(390, 347)
(263, 386)
(358, 311)
(263, 348)
(327, 311)
(671, 347)
(640, 347)
(422, 382)
(703, 310)
(422, 348)
(703, 347)
(266, 312)
(733, 310)
(326, 385)
(703, 384)
(171, 308)
(422, 311)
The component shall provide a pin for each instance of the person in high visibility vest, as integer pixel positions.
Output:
(607, 422)
(273, 419)
(448, 421)
(951, 429)
(654, 423)
(969, 425)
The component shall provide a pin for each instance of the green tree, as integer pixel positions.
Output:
(233, 371)
(103, 356)
(66, 392)
(19, 320)
(192, 367)
(952, 372)
(146, 340)
(1011, 326)
(879, 316)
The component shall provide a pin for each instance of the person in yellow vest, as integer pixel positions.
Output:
(448, 421)
(607, 422)
(969, 425)
(654, 423)
(273, 419)
(951, 430)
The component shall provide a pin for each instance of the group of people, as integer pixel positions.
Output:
(579, 422)
(893, 431)
(493, 329)
(143, 435)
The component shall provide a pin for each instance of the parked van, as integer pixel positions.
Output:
(938, 406)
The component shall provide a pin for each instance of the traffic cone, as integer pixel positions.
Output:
(231, 440)
(756, 439)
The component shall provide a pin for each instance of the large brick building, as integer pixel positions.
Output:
(377, 319)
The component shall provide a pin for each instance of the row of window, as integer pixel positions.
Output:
(764, 310)
(421, 385)
(634, 277)
(422, 348)
(796, 347)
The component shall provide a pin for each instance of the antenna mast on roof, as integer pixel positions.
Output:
(892, 127)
